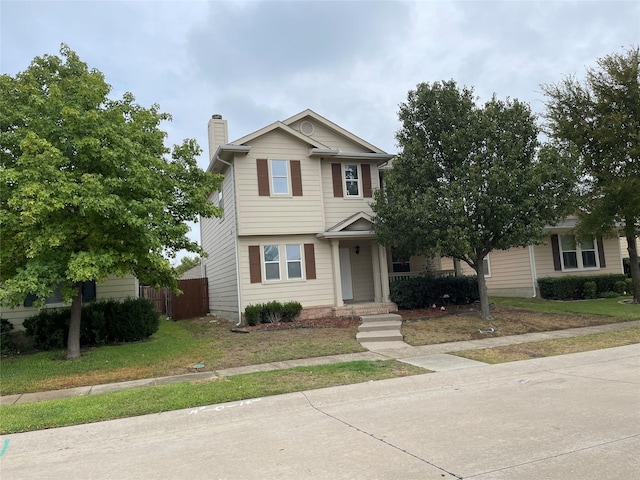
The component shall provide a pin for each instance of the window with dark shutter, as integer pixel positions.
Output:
(255, 274)
(263, 177)
(366, 180)
(310, 261)
(296, 178)
(603, 263)
(336, 174)
(555, 250)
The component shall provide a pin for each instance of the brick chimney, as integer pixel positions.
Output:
(218, 134)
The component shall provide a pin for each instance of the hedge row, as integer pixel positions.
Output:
(272, 312)
(102, 323)
(424, 291)
(573, 287)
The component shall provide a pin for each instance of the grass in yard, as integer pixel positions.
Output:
(508, 320)
(548, 348)
(610, 307)
(141, 401)
(172, 350)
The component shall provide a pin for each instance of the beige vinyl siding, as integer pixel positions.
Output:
(118, 288)
(277, 215)
(330, 138)
(309, 293)
(218, 240)
(510, 273)
(218, 134)
(337, 209)
(544, 260)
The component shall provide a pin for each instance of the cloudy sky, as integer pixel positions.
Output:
(255, 62)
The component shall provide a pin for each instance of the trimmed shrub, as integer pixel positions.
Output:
(608, 295)
(571, 287)
(424, 291)
(628, 285)
(7, 343)
(290, 311)
(590, 289)
(271, 312)
(620, 287)
(102, 323)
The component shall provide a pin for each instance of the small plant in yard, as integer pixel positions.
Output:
(590, 290)
(271, 312)
(7, 343)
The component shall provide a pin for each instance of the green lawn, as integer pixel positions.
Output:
(146, 400)
(611, 307)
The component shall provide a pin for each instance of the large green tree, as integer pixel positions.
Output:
(600, 117)
(88, 188)
(469, 179)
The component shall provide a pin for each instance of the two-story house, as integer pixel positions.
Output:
(297, 220)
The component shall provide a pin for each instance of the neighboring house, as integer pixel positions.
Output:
(515, 272)
(118, 288)
(195, 272)
(297, 220)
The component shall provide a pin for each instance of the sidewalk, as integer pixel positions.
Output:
(432, 357)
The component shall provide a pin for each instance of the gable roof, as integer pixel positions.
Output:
(358, 225)
(332, 126)
(278, 126)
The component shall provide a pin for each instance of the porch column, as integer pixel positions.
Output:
(384, 272)
(337, 280)
(377, 279)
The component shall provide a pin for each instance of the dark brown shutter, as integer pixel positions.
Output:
(603, 263)
(366, 180)
(254, 264)
(296, 178)
(263, 177)
(555, 249)
(310, 261)
(336, 173)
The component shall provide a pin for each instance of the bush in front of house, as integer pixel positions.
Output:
(424, 291)
(271, 312)
(7, 343)
(103, 322)
(572, 287)
(590, 290)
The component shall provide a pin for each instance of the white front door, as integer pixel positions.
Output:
(345, 274)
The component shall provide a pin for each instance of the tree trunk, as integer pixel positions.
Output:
(73, 340)
(457, 268)
(485, 311)
(635, 268)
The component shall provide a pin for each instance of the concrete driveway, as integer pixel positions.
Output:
(569, 417)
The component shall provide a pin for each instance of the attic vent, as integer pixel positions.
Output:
(306, 128)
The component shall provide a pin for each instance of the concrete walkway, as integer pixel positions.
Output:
(432, 357)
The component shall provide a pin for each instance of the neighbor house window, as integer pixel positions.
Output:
(577, 255)
(400, 263)
(279, 177)
(271, 255)
(294, 261)
(487, 266)
(352, 180)
(88, 294)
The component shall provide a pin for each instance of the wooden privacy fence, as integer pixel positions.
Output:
(193, 302)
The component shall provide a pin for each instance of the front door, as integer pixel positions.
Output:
(345, 274)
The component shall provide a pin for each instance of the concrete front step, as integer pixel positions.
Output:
(380, 336)
(382, 325)
(385, 317)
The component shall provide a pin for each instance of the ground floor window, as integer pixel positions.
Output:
(577, 254)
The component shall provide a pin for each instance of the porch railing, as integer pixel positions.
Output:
(405, 275)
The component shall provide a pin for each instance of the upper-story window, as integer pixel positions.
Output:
(352, 180)
(577, 255)
(279, 177)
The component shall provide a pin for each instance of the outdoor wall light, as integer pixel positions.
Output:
(357, 249)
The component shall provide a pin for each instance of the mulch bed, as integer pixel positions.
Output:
(348, 322)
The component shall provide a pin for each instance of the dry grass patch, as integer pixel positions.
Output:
(506, 321)
(548, 348)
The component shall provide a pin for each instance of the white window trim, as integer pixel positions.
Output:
(487, 273)
(272, 189)
(578, 251)
(359, 180)
(283, 263)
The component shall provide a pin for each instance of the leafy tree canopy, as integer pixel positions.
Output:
(187, 263)
(600, 118)
(469, 179)
(87, 187)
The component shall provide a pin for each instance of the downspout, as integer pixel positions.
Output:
(235, 243)
(534, 275)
